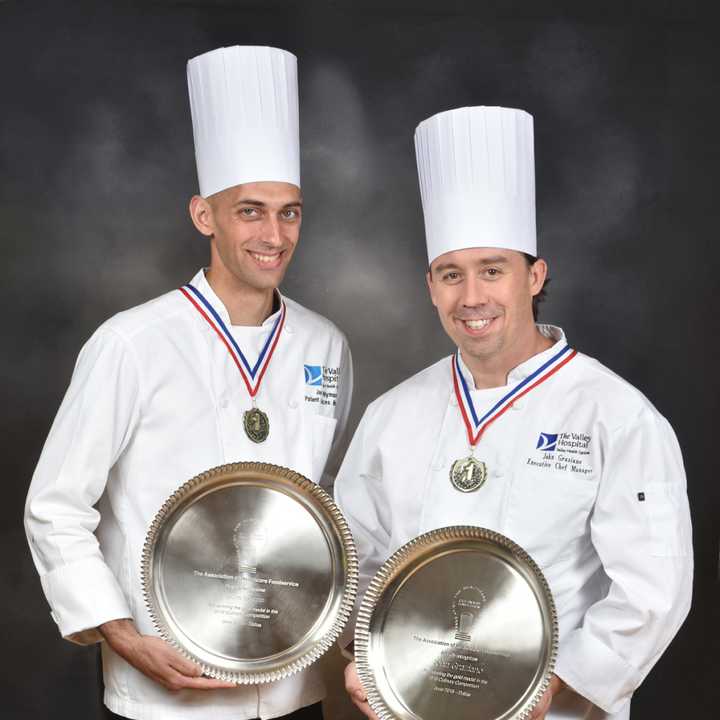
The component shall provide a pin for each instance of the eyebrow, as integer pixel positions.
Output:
(444, 267)
(260, 203)
(494, 260)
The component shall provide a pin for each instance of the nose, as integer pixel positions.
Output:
(474, 292)
(272, 235)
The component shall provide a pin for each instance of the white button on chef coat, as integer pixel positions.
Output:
(586, 476)
(154, 400)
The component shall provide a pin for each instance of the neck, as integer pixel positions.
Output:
(492, 371)
(245, 305)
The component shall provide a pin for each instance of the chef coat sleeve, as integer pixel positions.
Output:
(641, 531)
(92, 427)
(342, 411)
(361, 495)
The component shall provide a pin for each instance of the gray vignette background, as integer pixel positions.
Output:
(97, 168)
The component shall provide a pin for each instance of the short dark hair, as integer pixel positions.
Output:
(542, 295)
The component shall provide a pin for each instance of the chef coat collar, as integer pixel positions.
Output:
(201, 283)
(524, 369)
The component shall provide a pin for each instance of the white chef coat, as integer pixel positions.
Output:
(604, 513)
(154, 400)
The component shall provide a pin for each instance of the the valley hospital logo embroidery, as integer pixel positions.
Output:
(547, 442)
(313, 375)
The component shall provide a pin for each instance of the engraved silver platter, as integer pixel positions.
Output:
(250, 570)
(458, 624)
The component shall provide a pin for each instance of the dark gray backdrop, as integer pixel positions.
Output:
(97, 167)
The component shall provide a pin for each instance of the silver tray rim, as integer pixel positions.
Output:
(321, 500)
(393, 568)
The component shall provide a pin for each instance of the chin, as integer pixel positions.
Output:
(266, 283)
(482, 348)
(262, 279)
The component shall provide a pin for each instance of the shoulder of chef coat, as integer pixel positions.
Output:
(589, 382)
(311, 323)
(131, 324)
(411, 400)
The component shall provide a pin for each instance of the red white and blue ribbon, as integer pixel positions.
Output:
(475, 423)
(252, 375)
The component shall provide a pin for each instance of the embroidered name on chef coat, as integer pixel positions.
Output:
(321, 384)
(562, 451)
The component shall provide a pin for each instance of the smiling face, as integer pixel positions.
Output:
(484, 299)
(253, 230)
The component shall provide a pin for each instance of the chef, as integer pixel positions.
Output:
(222, 369)
(520, 433)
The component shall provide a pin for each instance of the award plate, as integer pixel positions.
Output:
(458, 624)
(249, 570)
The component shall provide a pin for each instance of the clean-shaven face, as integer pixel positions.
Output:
(484, 299)
(255, 228)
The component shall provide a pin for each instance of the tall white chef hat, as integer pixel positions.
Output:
(244, 105)
(477, 179)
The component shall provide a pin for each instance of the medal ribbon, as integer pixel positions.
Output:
(252, 376)
(476, 426)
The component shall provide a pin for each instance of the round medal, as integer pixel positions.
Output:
(256, 424)
(468, 474)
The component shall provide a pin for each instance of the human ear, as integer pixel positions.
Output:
(202, 215)
(538, 273)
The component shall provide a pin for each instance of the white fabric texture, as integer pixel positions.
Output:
(476, 168)
(244, 107)
(605, 514)
(154, 400)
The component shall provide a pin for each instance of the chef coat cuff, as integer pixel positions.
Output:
(594, 671)
(82, 596)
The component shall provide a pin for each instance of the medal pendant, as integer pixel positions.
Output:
(256, 424)
(468, 474)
